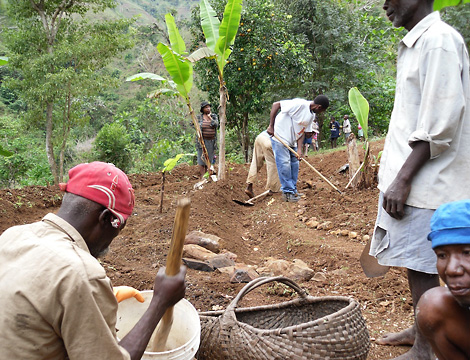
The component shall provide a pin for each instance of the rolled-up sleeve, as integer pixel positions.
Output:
(443, 100)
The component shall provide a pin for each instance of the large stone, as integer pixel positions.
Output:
(197, 252)
(229, 270)
(243, 276)
(319, 276)
(229, 254)
(207, 241)
(312, 223)
(221, 261)
(198, 265)
(297, 269)
(327, 225)
(300, 270)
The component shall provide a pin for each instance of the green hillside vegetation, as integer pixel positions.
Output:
(283, 49)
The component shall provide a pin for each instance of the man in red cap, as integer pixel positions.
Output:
(56, 300)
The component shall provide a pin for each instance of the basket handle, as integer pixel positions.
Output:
(264, 280)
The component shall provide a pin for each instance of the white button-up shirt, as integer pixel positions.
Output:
(431, 104)
(293, 120)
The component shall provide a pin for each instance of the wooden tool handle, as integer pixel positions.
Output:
(173, 264)
(305, 161)
(180, 228)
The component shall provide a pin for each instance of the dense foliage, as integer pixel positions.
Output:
(283, 49)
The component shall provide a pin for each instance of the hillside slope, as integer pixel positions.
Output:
(271, 228)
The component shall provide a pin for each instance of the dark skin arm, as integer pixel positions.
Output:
(272, 117)
(445, 324)
(168, 290)
(300, 143)
(399, 189)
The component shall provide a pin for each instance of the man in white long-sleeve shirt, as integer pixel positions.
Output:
(427, 150)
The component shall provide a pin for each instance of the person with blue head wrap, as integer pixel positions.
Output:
(443, 313)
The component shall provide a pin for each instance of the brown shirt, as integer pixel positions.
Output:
(208, 132)
(55, 298)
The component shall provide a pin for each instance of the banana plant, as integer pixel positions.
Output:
(168, 165)
(180, 69)
(220, 37)
(360, 107)
(440, 4)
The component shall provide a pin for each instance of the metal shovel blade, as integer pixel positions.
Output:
(244, 203)
(370, 265)
(252, 200)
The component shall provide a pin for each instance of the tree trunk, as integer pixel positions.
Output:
(222, 119)
(162, 191)
(65, 134)
(49, 145)
(205, 154)
(245, 138)
(353, 159)
(320, 127)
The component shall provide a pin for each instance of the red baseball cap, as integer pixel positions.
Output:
(104, 184)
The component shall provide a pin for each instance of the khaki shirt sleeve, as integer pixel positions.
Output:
(89, 319)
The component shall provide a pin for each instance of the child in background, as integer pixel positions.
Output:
(307, 142)
(360, 133)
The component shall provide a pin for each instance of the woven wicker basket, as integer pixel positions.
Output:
(308, 327)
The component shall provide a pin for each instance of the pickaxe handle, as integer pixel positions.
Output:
(316, 171)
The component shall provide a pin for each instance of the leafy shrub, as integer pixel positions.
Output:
(28, 165)
(112, 144)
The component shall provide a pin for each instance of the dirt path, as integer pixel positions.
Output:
(274, 228)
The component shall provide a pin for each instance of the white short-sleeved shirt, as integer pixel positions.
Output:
(346, 126)
(57, 302)
(293, 120)
(431, 104)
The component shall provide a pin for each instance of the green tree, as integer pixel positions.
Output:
(351, 44)
(59, 55)
(219, 38)
(112, 144)
(266, 57)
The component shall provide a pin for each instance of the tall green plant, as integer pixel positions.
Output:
(220, 37)
(168, 165)
(180, 69)
(360, 107)
(440, 4)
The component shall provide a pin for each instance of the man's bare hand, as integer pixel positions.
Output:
(395, 197)
(169, 289)
(270, 130)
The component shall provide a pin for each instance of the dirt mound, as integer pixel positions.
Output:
(271, 228)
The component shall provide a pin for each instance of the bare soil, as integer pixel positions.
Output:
(275, 228)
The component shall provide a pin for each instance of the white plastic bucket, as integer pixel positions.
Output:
(184, 337)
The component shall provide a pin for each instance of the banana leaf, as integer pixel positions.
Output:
(3, 60)
(169, 164)
(179, 68)
(176, 41)
(142, 76)
(201, 53)
(440, 4)
(228, 31)
(210, 24)
(360, 107)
